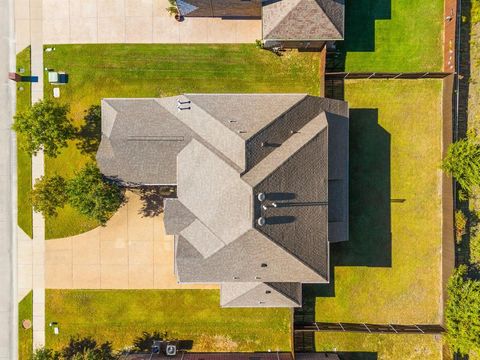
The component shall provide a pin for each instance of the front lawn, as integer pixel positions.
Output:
(390, 270)
(393, 35)
(121, 315)
(99, 71)
(24, 160)
(25, 336)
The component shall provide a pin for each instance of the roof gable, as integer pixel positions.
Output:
(303, 20)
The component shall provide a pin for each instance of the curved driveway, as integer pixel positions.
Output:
(130, 252)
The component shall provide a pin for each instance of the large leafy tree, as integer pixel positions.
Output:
(49, 194)
(87, 349)
(92, 195)
(463, 312)
(45, 126)
(463, 162)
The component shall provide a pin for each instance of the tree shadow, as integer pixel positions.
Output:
(152, 199)
(90, 133)
(360, 17)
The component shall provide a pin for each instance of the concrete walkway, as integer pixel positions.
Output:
(38, 243)
(127, 21)
(130, 252)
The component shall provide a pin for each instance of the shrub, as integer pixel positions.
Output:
(87, 349)
(145, 342)
(460, 225)
(463, 162)
(462, 312)
(49, 194)
(475, 247)
(45, 126)
(45, 354)
(92, 195)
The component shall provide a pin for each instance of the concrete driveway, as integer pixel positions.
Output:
(126, 21)
(130, 252)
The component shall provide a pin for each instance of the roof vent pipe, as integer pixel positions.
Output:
(261, 221)
(261, 196)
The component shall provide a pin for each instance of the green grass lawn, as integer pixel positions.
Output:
(354, 346)
(99, 71)
(24, 160)
(25, 336)
(121, 315)
(393, 35)
(389, 271)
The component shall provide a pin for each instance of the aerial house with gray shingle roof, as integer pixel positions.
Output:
(285, 23)
(262, 185)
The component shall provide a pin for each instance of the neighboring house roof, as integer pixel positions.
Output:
(296, 20)
(290, 147)
(221, 8)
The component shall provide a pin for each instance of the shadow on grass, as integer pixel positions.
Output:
(357, 355)
(370, 241)
(360, 17)
(90, 133)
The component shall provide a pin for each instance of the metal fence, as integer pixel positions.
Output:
(385, 75)
(369, 328)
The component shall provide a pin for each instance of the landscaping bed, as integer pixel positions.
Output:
(121, 315)
(390, 270)
(100, 71)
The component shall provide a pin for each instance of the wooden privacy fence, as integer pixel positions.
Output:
(368, 328)
(385, 75)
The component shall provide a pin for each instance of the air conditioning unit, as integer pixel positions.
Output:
(171, 350)
(156, 346)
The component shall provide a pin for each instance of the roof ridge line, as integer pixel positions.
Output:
(295, 257)
(213, 117)
(282, 18)
(331, 22)
(284, 282)
(278, 149)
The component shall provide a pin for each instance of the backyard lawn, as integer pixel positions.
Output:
(25, 336)
(389, 271)
(382, 346)
(99, 71)
(121, 315)
(393, 35)
(24, 161)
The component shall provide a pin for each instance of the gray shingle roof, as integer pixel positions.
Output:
(140, 141)
(254, 294)
(294, 148)
(296, 20)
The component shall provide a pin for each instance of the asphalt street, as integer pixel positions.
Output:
(8, 307)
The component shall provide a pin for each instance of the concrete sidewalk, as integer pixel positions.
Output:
(130, 252)
(127, 21)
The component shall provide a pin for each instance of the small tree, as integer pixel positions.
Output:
(49, 194)
(45, 125)
(463, 162)
(462, 312)
(45, 354)
(92, 195)
(145, 342)
(87, 349)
